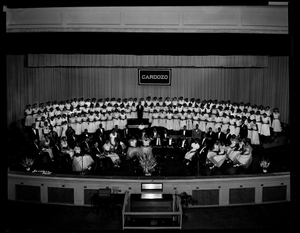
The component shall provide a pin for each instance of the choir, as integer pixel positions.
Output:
(172, 114)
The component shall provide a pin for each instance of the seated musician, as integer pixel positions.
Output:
(146, 148)
(236, 147)
(217, 155)
(97, 154)
(81, 161)
(170, 146)
(133, 150)
(109, 151)
(245, 157)
(183, 143)
(195, 146)
(65, 147)
(157, 145)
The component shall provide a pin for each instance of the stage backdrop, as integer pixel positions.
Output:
(40, 78)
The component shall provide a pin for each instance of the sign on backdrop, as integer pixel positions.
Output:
(155, 77)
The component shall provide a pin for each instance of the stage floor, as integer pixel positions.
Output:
(22, 216)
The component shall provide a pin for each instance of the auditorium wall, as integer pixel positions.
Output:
(266, 85)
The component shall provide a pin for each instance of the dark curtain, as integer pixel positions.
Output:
(257, 85)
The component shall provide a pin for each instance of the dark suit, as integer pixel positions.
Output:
(33, 134)
(167, 142)
(72, 141)
(69, 132)
(157, 145)
(83, 136)
(211, 136)
(56, 151)
(53, 136)
(86, 148)
(164, 138)
(102, 163)
(96, 151)
(125, 134)
(34, 150)
(140, 110)
(187, 133)
(220, 136)
(157, 142)
(154, 134)
(62, 160)
(196, 133)
(243, 131)
(99, 139)
(227, 138)
(185, 145)
(203, 141)
(170, 147)
(203, 154)
(102, 131)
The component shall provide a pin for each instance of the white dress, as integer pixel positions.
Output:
(28, 117)
(91, 124)
(162, 122)
(81, 163)
(116, 119)
(195, 120)
(182, 120)
(276, 125)
(238, 124)
(202, 122)
(245, 158)
(154, 120)
(109, 122)
(78, 125)
(218, 155)
(176, 122)
(123, 121)
(255, 135)
(218, 121)
(192, 152)
(265, 127)
(169, 124)
(258, 122)
(84, 124)
(189, 121)
(133, 150)
(225, 124)
(210, 123)
(232, 126)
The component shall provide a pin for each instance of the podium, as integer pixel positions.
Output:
(151, 210)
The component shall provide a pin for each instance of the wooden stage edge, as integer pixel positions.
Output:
(209, 191)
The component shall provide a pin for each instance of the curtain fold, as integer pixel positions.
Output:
(26, 85)
(118, 60)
